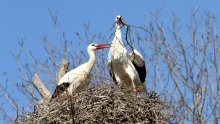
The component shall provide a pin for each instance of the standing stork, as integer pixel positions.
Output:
(77, 79)
(126, 69)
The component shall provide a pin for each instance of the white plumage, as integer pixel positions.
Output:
(126, 69)
(78, 79)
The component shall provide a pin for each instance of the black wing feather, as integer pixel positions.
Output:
(60, 89)
(111, 71)
(139, 65)
(141, 71)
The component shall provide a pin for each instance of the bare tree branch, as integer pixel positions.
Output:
(63, 68)
(39, 85)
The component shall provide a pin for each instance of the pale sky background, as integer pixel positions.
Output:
(31, 20)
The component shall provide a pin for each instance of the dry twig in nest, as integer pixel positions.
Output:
(103, 104)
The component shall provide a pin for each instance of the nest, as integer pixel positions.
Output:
(102, 104)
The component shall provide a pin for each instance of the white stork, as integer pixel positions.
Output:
(126, 69)
(78, 79)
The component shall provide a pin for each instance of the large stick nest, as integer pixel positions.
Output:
(102, 104)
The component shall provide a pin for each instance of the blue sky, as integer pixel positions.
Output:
(31, 20)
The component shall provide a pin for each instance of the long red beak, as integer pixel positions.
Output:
(101, 46)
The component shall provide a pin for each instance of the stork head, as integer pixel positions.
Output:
(93, 46)
(119, 20)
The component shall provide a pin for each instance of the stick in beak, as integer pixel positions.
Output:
(121, 21)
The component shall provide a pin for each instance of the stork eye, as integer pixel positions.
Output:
(117, 17)
(93, 44)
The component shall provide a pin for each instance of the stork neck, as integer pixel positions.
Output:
(92, 59)
(118, 39)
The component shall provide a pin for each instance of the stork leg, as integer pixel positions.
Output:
(134, 88)
(135, 91)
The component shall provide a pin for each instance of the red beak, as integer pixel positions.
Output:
(101, 46)
(121, 21)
